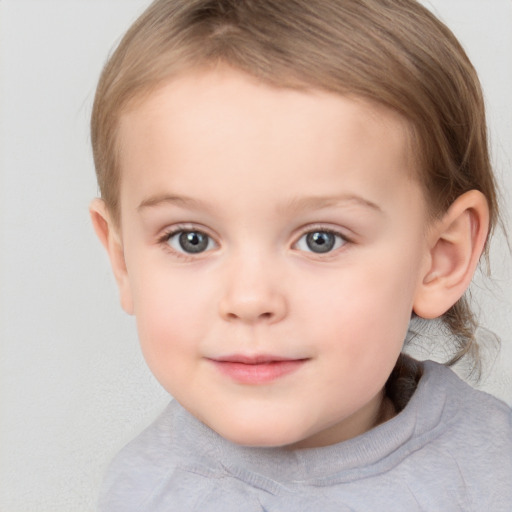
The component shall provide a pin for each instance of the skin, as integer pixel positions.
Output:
(255, 169)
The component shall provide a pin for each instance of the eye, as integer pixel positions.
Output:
(320, 241)
(190, 242)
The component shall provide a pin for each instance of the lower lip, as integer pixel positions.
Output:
(260, 373)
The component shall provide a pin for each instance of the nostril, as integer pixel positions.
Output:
(261, 316)
(252, 307)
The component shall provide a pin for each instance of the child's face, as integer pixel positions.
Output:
(274, 243)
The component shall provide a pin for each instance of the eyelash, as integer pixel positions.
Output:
(344, 240)
(169, 234)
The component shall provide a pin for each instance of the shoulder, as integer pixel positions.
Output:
(473, 438)
(138, 467)
(168, 467)
(465, 405)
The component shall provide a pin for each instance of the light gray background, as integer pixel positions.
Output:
(73, 386)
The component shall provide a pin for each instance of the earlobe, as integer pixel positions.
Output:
(109, 236)
(456, 243)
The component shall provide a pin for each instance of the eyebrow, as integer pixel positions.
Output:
(317, 202)
(295, 204)
(161, 199)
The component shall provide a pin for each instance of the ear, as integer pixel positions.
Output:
(109, 236)
(455, 245)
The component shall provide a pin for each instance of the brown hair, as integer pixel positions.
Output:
(394, 52)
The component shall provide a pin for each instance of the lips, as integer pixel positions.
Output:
(260, 369)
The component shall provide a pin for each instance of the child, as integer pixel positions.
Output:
(284, 186)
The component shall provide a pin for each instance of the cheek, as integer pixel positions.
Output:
(367, 309)
(171, 313)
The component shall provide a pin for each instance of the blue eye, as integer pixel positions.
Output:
(190, 242)
(320, 242)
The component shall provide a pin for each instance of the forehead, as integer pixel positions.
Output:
(225, 125)
(206, 88)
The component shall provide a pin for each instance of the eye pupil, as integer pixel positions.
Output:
(193, 241)
(320, 241)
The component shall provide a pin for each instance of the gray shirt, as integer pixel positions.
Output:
(450, 449)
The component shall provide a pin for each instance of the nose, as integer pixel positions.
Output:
(253, 293)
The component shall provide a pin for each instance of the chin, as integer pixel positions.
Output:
(258, 435)
(261, 441)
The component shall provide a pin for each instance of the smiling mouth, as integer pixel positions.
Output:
(254, 370)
